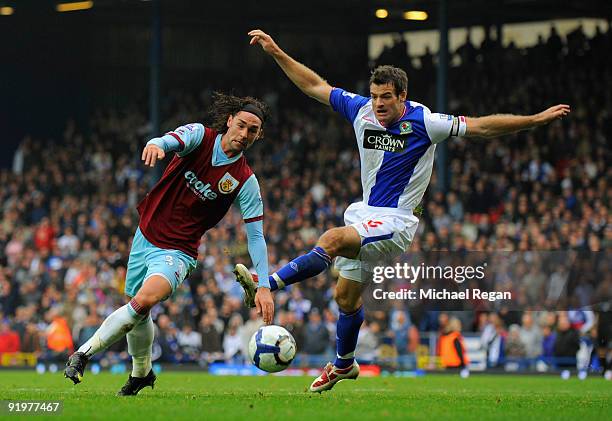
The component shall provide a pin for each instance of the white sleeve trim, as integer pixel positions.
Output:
(442, 126)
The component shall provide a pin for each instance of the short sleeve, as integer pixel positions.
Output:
(190, 135)
(249, 200)
(442, 126)
(346, 103)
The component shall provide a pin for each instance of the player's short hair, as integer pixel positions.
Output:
(390, 74)
(225, 105)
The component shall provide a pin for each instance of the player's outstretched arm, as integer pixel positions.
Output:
(258, 251)
(304, 78)
(502, 124)
(251, 207)
(183, 140)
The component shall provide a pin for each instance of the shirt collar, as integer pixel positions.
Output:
(219, 157)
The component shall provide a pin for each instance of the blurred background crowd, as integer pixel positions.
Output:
(68, 211)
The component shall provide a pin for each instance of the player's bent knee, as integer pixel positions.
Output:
(343, 241)
(332, 241)
(348, 303)
(144, 302)
(155, 289)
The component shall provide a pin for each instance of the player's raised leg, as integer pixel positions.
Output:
(344, 241)
(348, 296)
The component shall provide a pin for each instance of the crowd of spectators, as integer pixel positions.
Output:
(541, 337)
(67, 211)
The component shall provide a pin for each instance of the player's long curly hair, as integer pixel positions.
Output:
(225, 105)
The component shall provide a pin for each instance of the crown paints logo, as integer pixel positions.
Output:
(384, 141)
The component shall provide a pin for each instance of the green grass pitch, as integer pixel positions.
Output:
(193, 395)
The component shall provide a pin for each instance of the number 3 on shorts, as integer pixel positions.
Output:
(169, 260)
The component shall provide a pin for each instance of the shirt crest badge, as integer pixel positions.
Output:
(227, 184)
(405, 127)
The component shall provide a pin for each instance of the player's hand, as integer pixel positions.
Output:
(265, 304)
(267, 43)
(151, 154)
(553, 113)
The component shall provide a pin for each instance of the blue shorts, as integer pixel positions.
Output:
(147, 260)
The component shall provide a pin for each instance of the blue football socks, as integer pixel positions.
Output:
(302, 267)
(347, 332)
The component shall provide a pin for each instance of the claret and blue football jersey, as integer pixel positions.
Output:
(196, 190)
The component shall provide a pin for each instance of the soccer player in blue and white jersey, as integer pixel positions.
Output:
(396, 139)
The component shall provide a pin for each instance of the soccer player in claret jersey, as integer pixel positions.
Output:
(396, 139)
(207, 174)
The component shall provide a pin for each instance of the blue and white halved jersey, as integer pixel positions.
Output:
(396, 161)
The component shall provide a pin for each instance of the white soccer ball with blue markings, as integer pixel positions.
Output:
(272, 348)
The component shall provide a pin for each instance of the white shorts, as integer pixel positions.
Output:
(385, 234)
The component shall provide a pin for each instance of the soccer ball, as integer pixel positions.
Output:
(272, 348)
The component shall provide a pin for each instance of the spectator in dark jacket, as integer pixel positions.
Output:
(211, 338)
(316, 336)
(167, 341)
(31, 339)
(566, 343)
